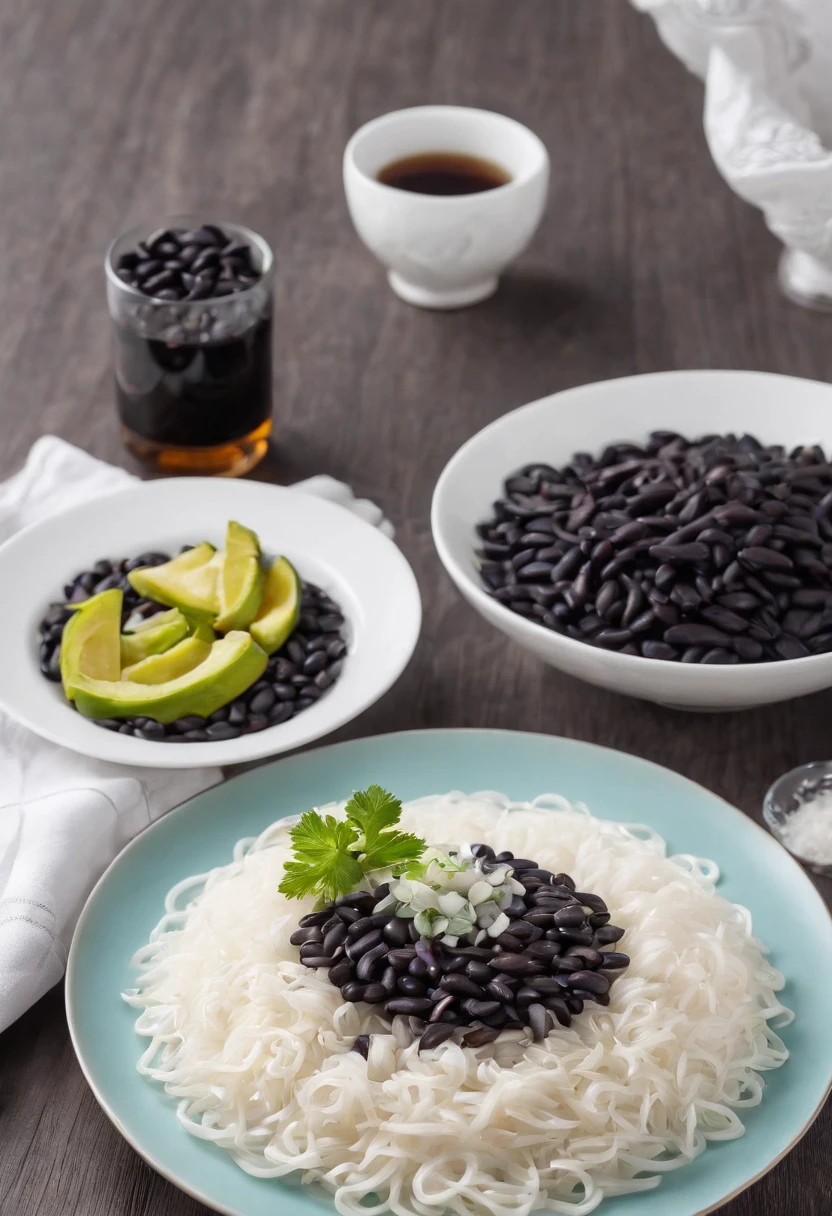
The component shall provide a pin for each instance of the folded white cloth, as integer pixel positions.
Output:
(64, 817)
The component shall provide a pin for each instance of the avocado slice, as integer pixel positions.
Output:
(153, 636)
(233, 665)
(200, 628)
(240, 584)
(169, 665)
(90, 642)
(280, 608)
(188, 582)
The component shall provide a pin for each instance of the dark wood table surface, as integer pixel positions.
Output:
(115, 111)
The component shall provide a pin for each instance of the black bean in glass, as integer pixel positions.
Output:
(191, 305)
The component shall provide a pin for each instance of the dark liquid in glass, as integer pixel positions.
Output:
(194, 396)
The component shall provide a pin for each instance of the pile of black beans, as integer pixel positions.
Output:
(297, 675)
(555, 955)
(712, 551)
(188, 264)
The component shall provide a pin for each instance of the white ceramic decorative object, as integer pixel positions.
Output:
(767, 66)
(445, 251)
(363, 571)
(777, 409)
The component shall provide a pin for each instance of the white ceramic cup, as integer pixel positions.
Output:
(445, 251)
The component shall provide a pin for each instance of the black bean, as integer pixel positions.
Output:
(191, 722)
(395, 932)
(281, 712)
(317, 961)
(717, 655)
(578, 937)
(613, 637)
(612, 961)
(589, 981)
(479, 972)
(389, 980)
(369, 959)
(724, 619)
(353, 991)
(606, 597)
(362, 1045)
(608, 934)
(222, 730)
(461, 985)
(309, 933)
(401, 958)
(316, 662)
(481, 1009)
(567, 565)
(788, 647)
(360, 945)
(694, 553)
(153, 731)
(515, 964)
(411, 1006)
(696, 635)
(748, 649)
(262, 702)
(658, 650)
(435, 1036)
(754, 557)
(375, 920)
(341, 973)
(375, 994)
(525, 996)
(335, 937)
(411, 985)
(480, 1036)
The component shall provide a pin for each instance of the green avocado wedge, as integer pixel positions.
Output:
(172, 663)
(233, 665)
(90, 642)
(153, 636)
(188, 582)
(280, 608)
(240, 583)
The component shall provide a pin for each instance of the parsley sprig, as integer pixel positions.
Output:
(334, 856)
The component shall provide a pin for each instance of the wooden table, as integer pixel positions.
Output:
(116, 112)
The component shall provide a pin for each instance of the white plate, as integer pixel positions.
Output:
(351, 560)
(777, 409)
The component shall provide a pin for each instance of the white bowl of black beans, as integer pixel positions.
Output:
(360, 615)
(666, 536)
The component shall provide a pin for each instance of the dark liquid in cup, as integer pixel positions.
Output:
(444, 173)
(192, 396)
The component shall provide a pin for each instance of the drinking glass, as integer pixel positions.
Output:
(193, 377)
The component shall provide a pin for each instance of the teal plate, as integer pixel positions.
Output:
(128, 901)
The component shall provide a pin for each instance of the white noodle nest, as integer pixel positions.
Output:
(258, 1048)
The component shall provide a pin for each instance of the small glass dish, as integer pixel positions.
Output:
(787, 798)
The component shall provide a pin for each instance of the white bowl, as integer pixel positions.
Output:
(777, 409)
(351, 560)
(445, 251)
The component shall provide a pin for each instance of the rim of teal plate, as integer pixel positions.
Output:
(779, 855)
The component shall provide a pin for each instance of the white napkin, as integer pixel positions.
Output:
(64, 817)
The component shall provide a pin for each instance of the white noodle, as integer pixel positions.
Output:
(258, 1048)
